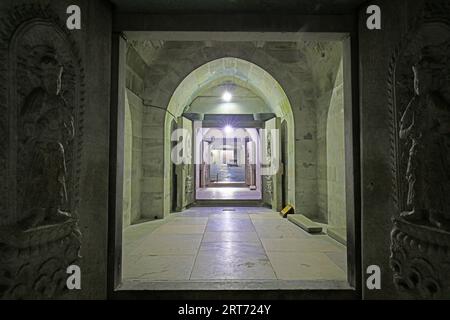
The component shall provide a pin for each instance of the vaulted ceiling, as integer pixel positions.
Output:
(243, 6)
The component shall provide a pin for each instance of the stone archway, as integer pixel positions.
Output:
(296, 81)
(242, 73)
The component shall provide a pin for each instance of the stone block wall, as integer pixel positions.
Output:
(328, 78)
(306, 71)
(378, 158)
(133, 158)
(152, 163)
(320, 143)
(336, 208)
(147, 142)
(128, 163)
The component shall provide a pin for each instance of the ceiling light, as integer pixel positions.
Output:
(226, 96)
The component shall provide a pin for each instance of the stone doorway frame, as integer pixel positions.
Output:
(252, 27)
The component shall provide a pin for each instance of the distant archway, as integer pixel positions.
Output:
(242, 73)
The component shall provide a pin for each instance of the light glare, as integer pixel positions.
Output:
(228, 129)
(226, 96)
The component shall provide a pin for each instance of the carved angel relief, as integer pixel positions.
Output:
(46, 130)
(42, 98)
(420, 106)
(424, 133)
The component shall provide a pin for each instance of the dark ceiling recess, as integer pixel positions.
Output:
(312, 7)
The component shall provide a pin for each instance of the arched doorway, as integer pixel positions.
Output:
(191, 237)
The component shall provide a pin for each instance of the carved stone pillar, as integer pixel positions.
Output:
(419, 90)
(420, 260)
(34, 261)
(267, 186)
(41, 123)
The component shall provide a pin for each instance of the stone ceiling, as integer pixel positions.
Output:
(288, 52)
(247, 6)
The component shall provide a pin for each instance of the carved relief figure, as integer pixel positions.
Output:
(425, 126)
(47, 127)
(420, 237)
(42, 97)
(269, 147)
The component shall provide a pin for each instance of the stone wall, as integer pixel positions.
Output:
(328, 78)
(133, 158)
(161, 78)
(376, 48)
(128, 163)
(136, 68)
(336, 156)
(147, 123)
(377, 204)
(288, 63)
(328, 81)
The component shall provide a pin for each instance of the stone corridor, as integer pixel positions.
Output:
(224, 248)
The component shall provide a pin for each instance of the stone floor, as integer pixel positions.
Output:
(242, 248)
(227, 193)
(224, 173)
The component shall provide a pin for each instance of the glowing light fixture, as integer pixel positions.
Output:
(228, 129)
(226, 96)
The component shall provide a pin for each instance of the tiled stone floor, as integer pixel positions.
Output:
(241, 246)
(227, 193)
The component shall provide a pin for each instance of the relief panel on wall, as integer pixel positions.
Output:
(419, 90)
(41, 127)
